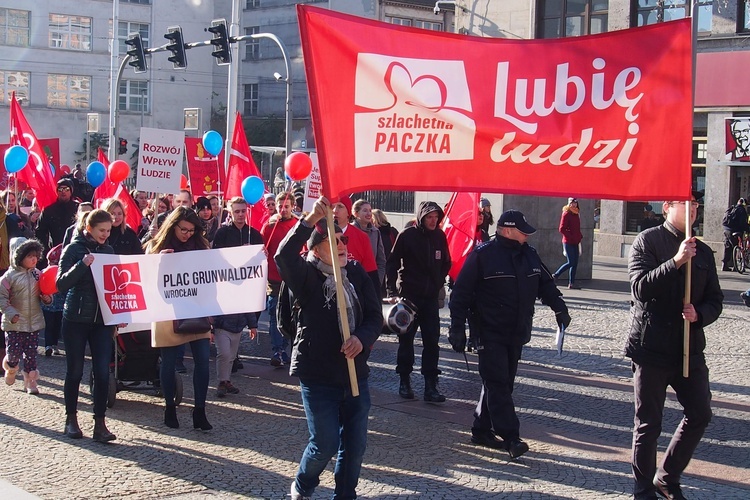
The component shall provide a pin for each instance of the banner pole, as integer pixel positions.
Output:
(340, 301)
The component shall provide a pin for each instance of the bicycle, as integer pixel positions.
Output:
(741, 253)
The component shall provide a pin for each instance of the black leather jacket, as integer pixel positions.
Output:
(657, 290)
(500, 282)
(74, 279)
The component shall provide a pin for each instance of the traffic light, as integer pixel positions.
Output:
(123, 146)
(136, 53)
(177, 47)
(222, 53)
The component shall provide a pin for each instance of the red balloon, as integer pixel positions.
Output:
(183, 182)
(118, 171)
(64, 169)
(297, 166)
(48, 281)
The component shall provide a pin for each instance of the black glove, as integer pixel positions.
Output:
(457, 338)
(563, 319)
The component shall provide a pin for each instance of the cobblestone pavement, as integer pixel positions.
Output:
(575, 410)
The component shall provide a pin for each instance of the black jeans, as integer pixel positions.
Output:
(498, 365)
(99, 337)
(53, 325)
(428, 321)
(694, 395)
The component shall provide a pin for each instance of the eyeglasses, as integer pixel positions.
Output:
(184, 230)
(693, 204)
(63, 188)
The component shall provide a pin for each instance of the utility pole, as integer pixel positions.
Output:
(233, 77)
(114, 80)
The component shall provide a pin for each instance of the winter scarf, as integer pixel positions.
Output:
(353, 307)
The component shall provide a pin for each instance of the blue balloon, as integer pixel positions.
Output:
(212, 142)
(252, 189)
(96, 173)
(16, 157)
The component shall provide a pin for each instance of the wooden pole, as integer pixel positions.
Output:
(340, 300)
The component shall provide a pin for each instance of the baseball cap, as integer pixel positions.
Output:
(514, 218)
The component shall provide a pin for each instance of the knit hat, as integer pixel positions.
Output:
(572, 200)
(201, 203)
(320, 233)
(514, 218)
(269, 196)
(347, 202)
(65, 182)
(484, 202)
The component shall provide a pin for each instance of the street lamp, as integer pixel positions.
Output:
(191, 119)
(92, 127)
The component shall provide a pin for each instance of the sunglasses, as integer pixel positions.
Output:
(343, 239)
(63, 188)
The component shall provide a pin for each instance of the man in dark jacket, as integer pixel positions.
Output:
(735, 221)
(416, 270)
(56, 218)
(655, 345)
(498, 285)
(337, 420)
(237, 232)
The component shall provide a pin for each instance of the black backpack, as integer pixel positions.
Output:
(287, 312)
(734, 217)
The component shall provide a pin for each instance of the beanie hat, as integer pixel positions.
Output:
(572, 200)
(320, 233)
(484, 202)
(201, 203)
(65, 182)
(347, 202)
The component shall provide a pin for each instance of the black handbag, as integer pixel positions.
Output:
(191, 325)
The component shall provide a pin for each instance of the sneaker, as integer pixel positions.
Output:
(296, 495)
(516, 448)
(276, 359)
(230, 388)
(55, 351)
(285, 358)
(48, 351)
(573, 286)
(10, 375)
(669, 491)
(221, 390)
(179, 367)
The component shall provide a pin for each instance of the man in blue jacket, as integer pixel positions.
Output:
(498, 285)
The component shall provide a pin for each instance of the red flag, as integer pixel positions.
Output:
(206, 172)
(402, 108)
(460, 227)
(37, 173)
(106, 189)
(241, 164)
(132, 210)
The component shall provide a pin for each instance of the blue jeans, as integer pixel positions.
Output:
(99, 337)
(572, 252)
(338, 424)
(279, 343)
(200, 349)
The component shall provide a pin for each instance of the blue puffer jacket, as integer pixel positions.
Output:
(74, 278)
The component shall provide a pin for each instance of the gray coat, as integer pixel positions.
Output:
(19, 293)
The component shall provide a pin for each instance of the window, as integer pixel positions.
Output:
(144, 2)
(251, 99)
(398, 20)
(14, 27)
(69, 32)
(252, 4)
(14, 81)
(427, 25)
(564, 18)
(69, 91)
(743, 17)
(645, 12)
(125, 28)
(252, 46)
(133, 96)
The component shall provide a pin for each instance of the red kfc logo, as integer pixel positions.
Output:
(122, 288)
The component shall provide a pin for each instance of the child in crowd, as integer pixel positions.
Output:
(22, 312)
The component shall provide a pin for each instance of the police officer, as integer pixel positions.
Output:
(498, 286)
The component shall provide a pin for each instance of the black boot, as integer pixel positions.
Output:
(431, 393)
(170, 417)
(199, 419)
(404, 388)
(72, 430)
(101, 433)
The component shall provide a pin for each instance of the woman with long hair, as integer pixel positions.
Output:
(82, 322)
(182, 231)
(122, 239)
(570, 229)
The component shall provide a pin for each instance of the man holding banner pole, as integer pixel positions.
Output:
(324, 354)
(663, 265)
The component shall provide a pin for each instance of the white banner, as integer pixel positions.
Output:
(147, 288)
(160, 160)
(313, 185)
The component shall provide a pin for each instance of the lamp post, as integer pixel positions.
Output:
(92, 127)
(143, 104)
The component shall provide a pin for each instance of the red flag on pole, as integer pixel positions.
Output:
(460, 227)
(107, 188)
(242, 166)
(37, 174)
(132, 210)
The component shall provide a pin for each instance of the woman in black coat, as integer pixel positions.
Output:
(122, 239)
(82, 322)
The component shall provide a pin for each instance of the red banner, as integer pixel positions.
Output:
(205, 171)
(460, 226)
(603, 116)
